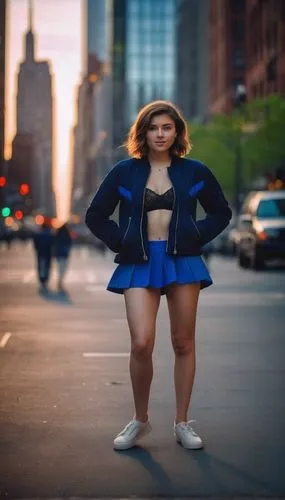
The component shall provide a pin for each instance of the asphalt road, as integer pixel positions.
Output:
(65, 392)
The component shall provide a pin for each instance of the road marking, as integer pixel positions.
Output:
(4, 340)
(106, 354)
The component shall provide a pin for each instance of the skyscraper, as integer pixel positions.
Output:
(150, 53)
(119, 67)
(100, 41)
(192, 58)
(92, 144)
(35, 118)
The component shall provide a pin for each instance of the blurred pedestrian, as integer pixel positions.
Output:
(62, 247)
(43, 244)
(158, 245)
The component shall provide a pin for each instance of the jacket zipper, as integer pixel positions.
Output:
(175, 249)
(128, 226)
(144, 252)
(196, 227)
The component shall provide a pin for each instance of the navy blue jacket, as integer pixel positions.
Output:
(125, 184)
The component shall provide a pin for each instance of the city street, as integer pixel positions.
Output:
(65, 391)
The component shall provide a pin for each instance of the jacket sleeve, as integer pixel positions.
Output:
(101, 208)
(213, 201)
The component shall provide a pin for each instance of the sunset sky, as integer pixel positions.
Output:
(57, 26)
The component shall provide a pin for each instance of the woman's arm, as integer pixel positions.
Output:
(102, 207)
(218, 212)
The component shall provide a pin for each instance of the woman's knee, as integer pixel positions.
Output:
(183, 345)
(142, 347)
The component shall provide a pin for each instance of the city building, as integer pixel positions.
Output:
(2, 92)
(21, 167)
(81, 145)
(119, 66)
(35, 119)
(93, 147)
(227, 54)
(192, 58)
(100, 43)
(265, 44)
(150, 53)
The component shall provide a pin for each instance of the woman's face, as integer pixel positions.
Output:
(161, 133)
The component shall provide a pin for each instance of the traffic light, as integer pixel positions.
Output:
(6, 211)
(3, 181)
(19, 214)
(24, 189)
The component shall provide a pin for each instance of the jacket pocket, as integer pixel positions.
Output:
(188, 235)
(130, 242)
(127, 230)
(196, 228)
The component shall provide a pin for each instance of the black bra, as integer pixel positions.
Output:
(155, 201)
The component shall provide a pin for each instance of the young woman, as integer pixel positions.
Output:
(158, 244)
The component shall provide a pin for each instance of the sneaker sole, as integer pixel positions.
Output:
(127, 446)
(192, 447)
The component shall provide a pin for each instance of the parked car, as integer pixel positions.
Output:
(261, 229)
(233, 237)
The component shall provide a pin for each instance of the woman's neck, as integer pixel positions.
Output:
(159, 158)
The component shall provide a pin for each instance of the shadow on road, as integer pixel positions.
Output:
(154, 469)
(214, 468)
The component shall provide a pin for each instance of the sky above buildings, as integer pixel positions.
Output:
(57, 28)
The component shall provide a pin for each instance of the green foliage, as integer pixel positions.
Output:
(257, 128)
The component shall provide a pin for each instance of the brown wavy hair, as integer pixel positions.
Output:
(136, 143)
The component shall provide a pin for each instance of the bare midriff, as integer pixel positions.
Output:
(158, 220)
(158, 224)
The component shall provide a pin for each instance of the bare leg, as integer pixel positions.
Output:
(182, 305)
(141, 307)
(62, 266)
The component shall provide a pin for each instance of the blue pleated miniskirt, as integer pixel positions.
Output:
(159, 271)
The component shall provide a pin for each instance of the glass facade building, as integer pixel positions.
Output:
(192, 58)
(150, 52)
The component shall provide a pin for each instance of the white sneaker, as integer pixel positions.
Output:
(185, 434)
(133, 431)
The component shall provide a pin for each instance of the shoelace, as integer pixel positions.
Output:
(128, 427)
(188, 427)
